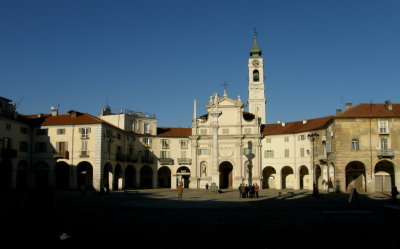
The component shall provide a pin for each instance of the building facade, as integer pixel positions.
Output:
(229, 145)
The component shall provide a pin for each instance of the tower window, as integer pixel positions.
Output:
(256, 75)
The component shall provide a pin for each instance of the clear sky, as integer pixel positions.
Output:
(156, 56)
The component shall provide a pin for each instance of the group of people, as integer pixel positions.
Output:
(248, 191)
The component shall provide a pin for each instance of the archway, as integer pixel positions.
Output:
(384, 176)
(225, 175)
(184, 173)
(146, 177)
(41, 172)
(287, 178)
(269, 178)
(117, 181)
(164, 177)
(304, 177)
(130, 177)
(85, 175)
(107, 176)
(22, 175)
(5, 174)
(355, 176)
(62, 176)
(318, 177)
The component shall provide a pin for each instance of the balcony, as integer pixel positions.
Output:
(8, 153)
(166, 161)
(147, 160)
(131, 158)
(61, 155)
(119, 157)
(186, 161)
(84, 153)
(385, 153)
(323, 158)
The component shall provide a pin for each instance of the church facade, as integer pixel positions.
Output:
(227, 145)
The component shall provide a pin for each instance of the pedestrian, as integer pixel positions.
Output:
(207, 186)
(242, 190)
(180, 190)
(395, 193)
(315, 191)
(251, 191)
(246, 191)
(256, 189)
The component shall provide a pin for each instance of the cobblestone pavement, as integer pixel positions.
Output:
(156, 218)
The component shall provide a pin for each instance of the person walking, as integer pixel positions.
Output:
(246, 191)
(395, 193)
(256, 189)
(207, 186)
(242, 190)
(180, 190)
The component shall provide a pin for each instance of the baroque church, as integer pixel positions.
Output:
(231, 144)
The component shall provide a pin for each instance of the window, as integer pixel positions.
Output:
(301, 152)
(60, 131)
(184, 144)
(203, 151)
(384, 144)
(286, 152)
(84, 148)
(41, 132)
(23, 146)
(61, 147)
(24, 130)
(6, 143)
(383, 127)
(286, 139)
(256, 76)
(8, 127)
(134, 126)
(131, 139)
(203, 131)
(84, 132)
(302, 137)
(225, 131)
(355, 144)
(165, 143)
(269, 154)
(165, 154)
(41, 147)
(147, 142)
(147, 128)
(268, 140)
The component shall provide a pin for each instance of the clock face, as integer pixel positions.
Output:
(256, 63)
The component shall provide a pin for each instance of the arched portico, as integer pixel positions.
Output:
(22, 175)
(85, 175)
(164, 177)
(41, 173)
(269, 176)
(355, 176)
(117, 178)
(107, 176)
(5, 174)
(146, 177)
(130, 177)
(384, 176)
(225, 175)
(304, 177)
(287, 178)
(62, 175)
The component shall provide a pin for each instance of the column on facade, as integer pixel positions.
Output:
(215, 173)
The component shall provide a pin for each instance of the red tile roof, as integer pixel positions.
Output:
(370, 111)
(294, 127)
(174, 132)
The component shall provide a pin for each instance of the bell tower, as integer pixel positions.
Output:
(256, 99)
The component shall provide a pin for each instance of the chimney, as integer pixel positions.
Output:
(338, 111)
(304, 122)
(348, 105)
(388, 105)
(283, 124)
(54, 111)
(278, 121)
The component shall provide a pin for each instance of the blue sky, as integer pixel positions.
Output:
(157, 56)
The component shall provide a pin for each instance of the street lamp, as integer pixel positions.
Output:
(313, 137)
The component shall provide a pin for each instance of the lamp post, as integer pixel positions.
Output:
(313, 137)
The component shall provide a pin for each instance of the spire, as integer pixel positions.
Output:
(255, 51)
